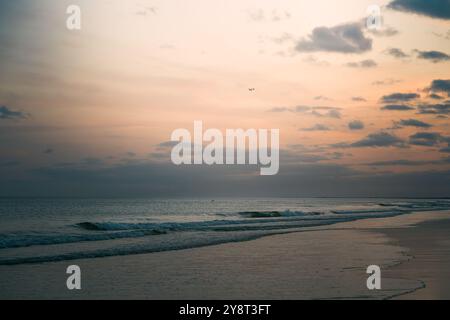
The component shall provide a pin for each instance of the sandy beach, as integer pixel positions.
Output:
(412, 250)
(429, 246)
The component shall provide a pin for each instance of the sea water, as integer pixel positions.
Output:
(44, 230)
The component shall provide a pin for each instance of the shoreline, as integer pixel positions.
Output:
(315, 263)
(430, 259)
(425, 239)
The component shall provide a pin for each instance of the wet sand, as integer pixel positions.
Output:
(429, 247)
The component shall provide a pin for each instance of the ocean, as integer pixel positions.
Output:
(46, 230)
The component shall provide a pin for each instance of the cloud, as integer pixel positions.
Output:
(322, 98)
(412, 123)
(399, 97)
(280, 109)
(256, 15)
(285, 37)
(358, 99)
(345, 38)
(162, 150)
(404, 162)
(327, 112)
(362, 64)
(280, 15)
(435, 96)
(397, 107)
(317, 127)
(261, 15)
(433, 56)
(48, 151)
(386, 82)
(386, 31)
(162, 180)
(379, 139)
(167, 144)
(432, 8)
(396, 53)
(290, 157)
(428, 139)
(441, 109)
(395, 163)
(147, 11)
(8, 114)
(440, 85)
(445, 36)
(316, 62)
(356, 125)
(321, 112)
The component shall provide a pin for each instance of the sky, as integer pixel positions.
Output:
(89, 113)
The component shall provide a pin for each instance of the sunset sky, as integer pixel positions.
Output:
(360, 112)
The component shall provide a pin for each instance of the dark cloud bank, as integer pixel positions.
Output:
(439, 9)
(165, 180)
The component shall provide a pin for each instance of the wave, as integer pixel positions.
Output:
(431, 205)
(242, 232)
(254, 217)
(103, 231)
(272, 214)
(27, 240)
(227, 227)
(123, 251)
(368, 211)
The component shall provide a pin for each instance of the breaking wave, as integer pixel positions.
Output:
(91, 239)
